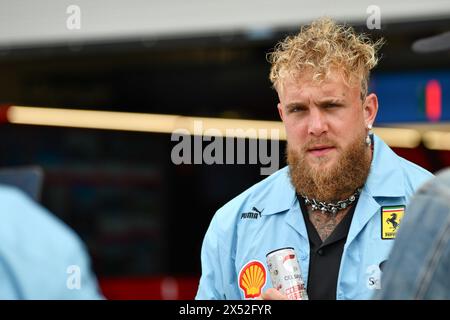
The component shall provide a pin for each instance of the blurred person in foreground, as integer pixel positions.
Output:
(340, 200)
(419, 263)
(40, 257)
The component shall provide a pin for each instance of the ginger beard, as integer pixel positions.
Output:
(329, 182)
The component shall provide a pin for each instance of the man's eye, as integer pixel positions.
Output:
(296, 109)
(332, 105)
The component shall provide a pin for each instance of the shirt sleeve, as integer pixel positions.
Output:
(211, 281)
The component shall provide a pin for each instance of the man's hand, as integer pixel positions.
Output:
(273, 294)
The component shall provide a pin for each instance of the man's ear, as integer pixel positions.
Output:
(370, 109)
(280, 110)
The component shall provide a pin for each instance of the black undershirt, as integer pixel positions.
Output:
(325, 257)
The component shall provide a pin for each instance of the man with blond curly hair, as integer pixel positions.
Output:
(341, 198)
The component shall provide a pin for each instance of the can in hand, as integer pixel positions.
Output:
(286, 274)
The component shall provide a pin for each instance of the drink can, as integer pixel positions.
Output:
(286, 274)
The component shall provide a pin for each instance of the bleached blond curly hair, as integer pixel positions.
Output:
(322, 47)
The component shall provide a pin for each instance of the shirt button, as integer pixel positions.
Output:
(320, 252)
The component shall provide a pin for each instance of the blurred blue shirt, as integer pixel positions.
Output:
(40, 257)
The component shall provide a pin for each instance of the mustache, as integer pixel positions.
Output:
(318, 142)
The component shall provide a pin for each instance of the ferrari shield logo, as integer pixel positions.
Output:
(390, 221)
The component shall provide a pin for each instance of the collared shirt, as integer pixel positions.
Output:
(239, 237)
(325, 256)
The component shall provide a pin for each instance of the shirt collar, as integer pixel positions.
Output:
(277, 195)
(385, 180)
(386, 176)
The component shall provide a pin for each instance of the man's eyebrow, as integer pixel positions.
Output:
(332, 100)
(293, 105)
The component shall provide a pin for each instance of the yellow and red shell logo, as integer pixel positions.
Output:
(252, 278)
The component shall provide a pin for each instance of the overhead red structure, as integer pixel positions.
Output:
(433, 100)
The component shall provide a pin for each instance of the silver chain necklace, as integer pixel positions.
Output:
(332, 208)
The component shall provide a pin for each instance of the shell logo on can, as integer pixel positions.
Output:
(252, 278)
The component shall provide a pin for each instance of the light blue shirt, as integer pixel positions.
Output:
(40, 257)
(233, 240)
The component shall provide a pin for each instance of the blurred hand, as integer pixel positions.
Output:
(273, 294)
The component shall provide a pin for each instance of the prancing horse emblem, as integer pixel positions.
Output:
(393, 220)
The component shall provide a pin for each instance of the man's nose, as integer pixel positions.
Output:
(317, 124)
